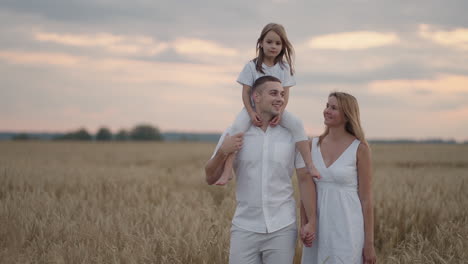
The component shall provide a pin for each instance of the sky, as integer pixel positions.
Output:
(67, 64)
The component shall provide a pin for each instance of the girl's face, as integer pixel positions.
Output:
(271, 44)
(333, 116)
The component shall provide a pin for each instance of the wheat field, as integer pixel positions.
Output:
(67, 202)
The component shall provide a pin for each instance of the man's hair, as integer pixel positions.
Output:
(258, 84)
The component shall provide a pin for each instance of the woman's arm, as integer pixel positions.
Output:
(308, 206)
(364, 167)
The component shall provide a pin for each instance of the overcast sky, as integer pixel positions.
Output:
(67, 64)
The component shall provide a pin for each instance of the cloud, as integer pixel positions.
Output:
(443, 84)
(119, 44)
(128, 70)
(457, 38)
(356, 40)
(40, 58)
(193, 46)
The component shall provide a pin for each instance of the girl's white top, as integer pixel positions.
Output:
(281, 71)
(340, 224)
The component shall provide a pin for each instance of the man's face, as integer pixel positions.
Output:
(271, 99)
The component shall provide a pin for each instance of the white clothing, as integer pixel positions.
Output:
(248, 76)
(281, 71)
(264, 167)
(340, 223)
(256, 248)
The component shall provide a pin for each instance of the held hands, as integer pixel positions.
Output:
(232, 143)
(308, 234)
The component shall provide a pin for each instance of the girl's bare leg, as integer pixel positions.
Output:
(227, 172)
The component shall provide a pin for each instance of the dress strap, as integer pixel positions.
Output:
(354, 147)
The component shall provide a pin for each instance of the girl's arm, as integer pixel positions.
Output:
(286, 97)
(365, 195)
(246, 98)
(248, 105)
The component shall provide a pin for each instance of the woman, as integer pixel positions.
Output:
(345, 217)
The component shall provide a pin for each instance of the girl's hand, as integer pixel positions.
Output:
(368, 255)
(276, 120)
(256, 120)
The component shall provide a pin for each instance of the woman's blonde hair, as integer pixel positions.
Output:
(286, 49)
(350, 108)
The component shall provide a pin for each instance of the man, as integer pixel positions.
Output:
(264, 225)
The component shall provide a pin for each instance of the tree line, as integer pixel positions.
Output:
(142, 132)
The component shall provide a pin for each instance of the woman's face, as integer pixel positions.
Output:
(333, 116)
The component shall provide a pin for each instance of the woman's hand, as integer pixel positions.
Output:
(368, 255)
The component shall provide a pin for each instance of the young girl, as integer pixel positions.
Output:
(272, 46)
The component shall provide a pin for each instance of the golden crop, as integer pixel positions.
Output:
(148, 203)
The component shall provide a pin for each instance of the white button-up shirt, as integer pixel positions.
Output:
(264, 167)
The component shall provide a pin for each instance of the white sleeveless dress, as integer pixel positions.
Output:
(340, 224)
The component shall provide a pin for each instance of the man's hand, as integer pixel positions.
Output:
(256, 119)
(232, 144)
(308, 234)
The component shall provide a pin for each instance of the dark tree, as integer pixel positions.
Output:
(122, 135)
(145, 132)
(22, 136)
(80, 134)
(104, 134)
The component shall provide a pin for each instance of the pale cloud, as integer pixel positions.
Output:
(193, 46)
(130, 71)
(139, 45)
(40, 58)
(443, 85)
(457, 38)
(118, 44)
(357, 40)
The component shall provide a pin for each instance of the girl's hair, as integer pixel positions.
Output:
(350, 108)
(286, 49)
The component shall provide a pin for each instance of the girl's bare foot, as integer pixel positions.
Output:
(225, 177)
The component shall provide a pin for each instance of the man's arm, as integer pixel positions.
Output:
(215, 166)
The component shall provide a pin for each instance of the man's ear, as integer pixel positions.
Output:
(256, 97)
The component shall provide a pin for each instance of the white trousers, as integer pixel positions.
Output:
(288, 120)
(258, 248)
